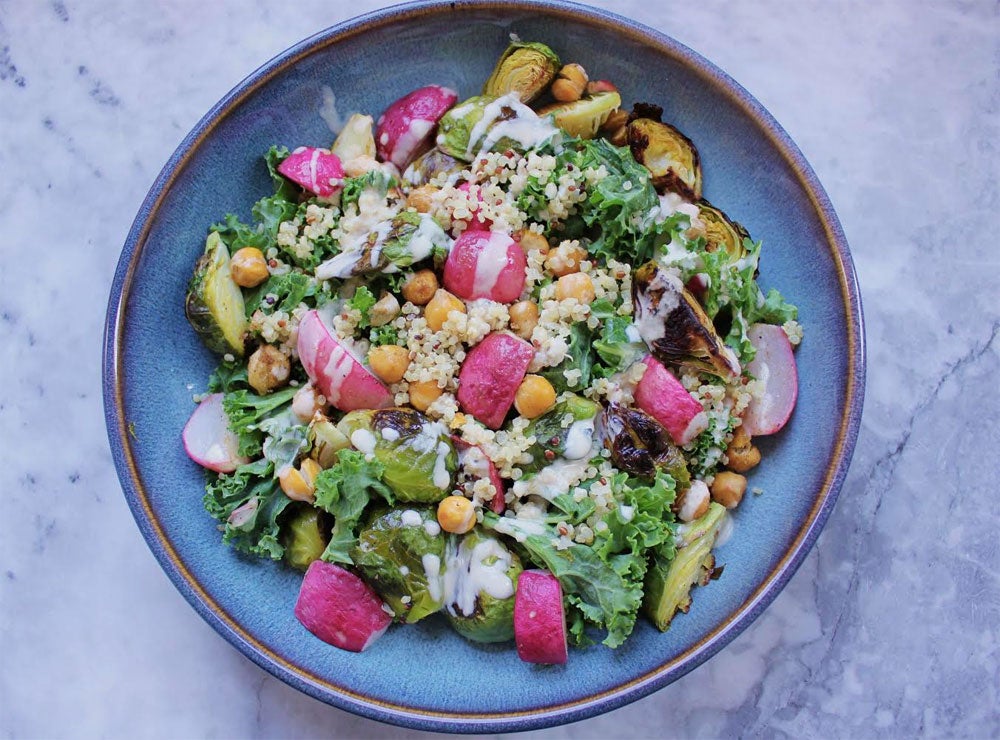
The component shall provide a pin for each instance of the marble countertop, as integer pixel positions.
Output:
(889, 629)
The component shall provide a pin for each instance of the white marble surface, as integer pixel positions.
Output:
(890, 629)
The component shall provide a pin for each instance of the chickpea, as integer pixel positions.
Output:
(728, 489)
(524, 318)
(306, 402)
(421, 198)
(423, 394)
(442, 304)
(577, 285)
(534, 396)
(693, 503)
(740, 453)
(389, 362)
(384, 310)
(420, 288)
(267, 369)
(569, 86)
(530, 240)
(456, 514)
(299, 485)
(565, 259)
(359, 165)
(248, 267)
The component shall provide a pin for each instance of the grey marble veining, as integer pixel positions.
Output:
(890, 628)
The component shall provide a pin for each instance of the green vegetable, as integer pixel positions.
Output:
(303, 536)
(484, 614)
(246, 410)
(430, 165)
(355, 139)
(583, 117)
(362, 301)
(525, 68)
(326, 442)
(408, 238)
(214, 303)
(551, 437)
(393, 553)
(671, 578)
(667, 153)
(578, 357)
(249, 503)
(615, 348)
(375, 182)
(641, 446)
(344, 491)
(385, 334)
(228, 376)
(286, 292)
(456, 128)
(417, 456)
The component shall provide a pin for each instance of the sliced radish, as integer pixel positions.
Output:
(209, 441)
(662, 396)
(539, 618)
(340, 608)
(490, 376)
(406, 129)
(473, 459)
(485, 264)
(317, 170)
(774, 367)
(336, 370)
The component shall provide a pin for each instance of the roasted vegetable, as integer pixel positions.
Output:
(408, 238)
(355, 139)
(214, 303)
(400, 553)
(480, 580)
(667, 153)
(669, 583)
(418, 455)
(429, 165)
(303, 536)
(674, 325)
(721, 233)
(486, 124)
(583, 118)
(526, 68)
(640, 445)
(326, 441)
(572, 442)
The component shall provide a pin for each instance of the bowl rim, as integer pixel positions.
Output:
(575, 709)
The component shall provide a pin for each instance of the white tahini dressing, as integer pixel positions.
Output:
(338, 367)
(474, 570)
(725, 530)
(489, 264)
(389, 434)
(693, 499)
(650, 320)
(525, 127)
(432, 571)
(411, 518)
(426, 237)
(552, 480)
(441, 477)
(579, 439)
(364, 441)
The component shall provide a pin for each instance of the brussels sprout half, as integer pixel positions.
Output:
(480, 581)
(721, 233)
(552, 438)
(304, 535)
(669, 156)
(526, 68)
(214, 305)
(429, 165)
(640, 445)
(583, 118)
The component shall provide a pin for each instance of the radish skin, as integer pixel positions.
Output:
(539, 619)
(209, 441)
(663, 397)
(485, 264)
(490, 376)
(406, 129)
(336, 371)
(316, 170)
(340, 608)
(497, 504)
(774, 367)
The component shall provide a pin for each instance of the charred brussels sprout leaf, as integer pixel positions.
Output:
(303, 536)
(526, 68)
(214, 304)
(721, 234)
(400, 553)
(481, 578)
(418, 457)
(408, 238)
(583, 118)
(640, 445)
(455, 128)
(482, 123)
(669, 156)
(429, 165)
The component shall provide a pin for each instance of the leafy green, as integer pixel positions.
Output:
(246, 409)
(344, 490)
(376, 181)
(615, 348)
(249, 502)
(578, 357)
(282, 186)
(385, 334)
(362, 301)
(287, 291)
(228, 376)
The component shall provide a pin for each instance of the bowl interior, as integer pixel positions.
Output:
(426, 675)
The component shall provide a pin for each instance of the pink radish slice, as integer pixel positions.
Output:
(490, 375)
(539, 618)
(662, 396)
(336, 371)
(774, 367)
(485, 264)
(477, 222)
(209, 441)
(340, 608)
(484, 468)
(406, 129)
(317, 170)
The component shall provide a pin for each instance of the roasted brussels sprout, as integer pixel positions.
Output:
(429, 165)
(486, 124)
(418, 455)
(214, 303)
(526, 68)
(640, 445)
(401, 554)
(554, 440)
(326, 441)
(355, 139)
(669, 582)
(667, 153)
(303, 536)
(584, 117)
(721, 233)
(674, 325)
(480, 580)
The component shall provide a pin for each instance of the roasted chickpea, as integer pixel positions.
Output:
(267, 369)
(442, 304)
(389, 362)
(423, 394)
(420, 287)
(359, 165)
(571, 83)
(421, 198)
(693, 503)
(248, 267)
(565, 259)
(530, 240)
(524, 318)
(741, 454)
(456, 514)
(577, 285)
(728, 489)
(534, 396)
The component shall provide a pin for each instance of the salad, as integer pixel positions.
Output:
(494, 359)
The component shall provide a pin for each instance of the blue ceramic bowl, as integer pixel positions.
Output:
(426, 676)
